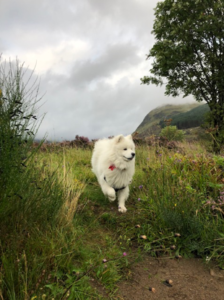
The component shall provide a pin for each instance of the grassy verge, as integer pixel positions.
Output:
(181, 193)
(61, 239)
(75, 245)
(57, 248)
(51, 247)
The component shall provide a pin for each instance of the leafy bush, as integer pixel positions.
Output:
(172, 133)
(17, 108)
(80, 142)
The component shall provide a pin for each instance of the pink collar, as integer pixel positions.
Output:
(112, 167)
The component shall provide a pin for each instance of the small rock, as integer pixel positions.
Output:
(143, 237)
(152, 289)
(169, 281)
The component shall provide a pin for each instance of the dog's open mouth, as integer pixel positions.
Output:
(128, 158)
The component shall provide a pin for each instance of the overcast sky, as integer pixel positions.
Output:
(90, 56)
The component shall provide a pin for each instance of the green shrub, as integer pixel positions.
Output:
(30, 193)
(172, 133)
(181, 193)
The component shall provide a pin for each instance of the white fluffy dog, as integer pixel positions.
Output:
(113, 162)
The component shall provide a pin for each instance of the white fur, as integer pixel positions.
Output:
(111, 152)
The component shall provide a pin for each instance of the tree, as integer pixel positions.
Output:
(189, 54)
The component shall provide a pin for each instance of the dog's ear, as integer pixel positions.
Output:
(129, 137)
(119, 138)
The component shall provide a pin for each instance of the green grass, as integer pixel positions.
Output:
(60, 238)
(175, 194)
(91, 244)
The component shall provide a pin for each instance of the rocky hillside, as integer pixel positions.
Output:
(183, 116)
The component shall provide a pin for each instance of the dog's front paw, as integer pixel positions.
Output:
(122, 209)
(111, 194)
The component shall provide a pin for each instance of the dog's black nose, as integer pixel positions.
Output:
(133, 154)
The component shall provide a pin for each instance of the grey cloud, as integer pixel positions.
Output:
(134, 14)
(114, 59)
(82, 93)
(34, 24)
(102, 112)
(106, 110)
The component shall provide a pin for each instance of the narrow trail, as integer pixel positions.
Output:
(191, 279)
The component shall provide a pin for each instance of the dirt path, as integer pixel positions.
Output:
(191, 279)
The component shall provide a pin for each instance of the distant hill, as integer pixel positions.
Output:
(183, 116)
(192, 118)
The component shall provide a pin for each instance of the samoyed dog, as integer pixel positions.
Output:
(113, 162)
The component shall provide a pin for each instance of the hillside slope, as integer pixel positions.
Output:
(184, 116)
(192, 118)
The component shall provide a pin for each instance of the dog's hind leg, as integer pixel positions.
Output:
(122, 197)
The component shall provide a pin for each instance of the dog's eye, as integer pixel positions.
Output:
(125, 149)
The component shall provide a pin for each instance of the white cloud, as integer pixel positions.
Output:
(90, 55)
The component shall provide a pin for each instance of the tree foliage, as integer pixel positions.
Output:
(189, 53)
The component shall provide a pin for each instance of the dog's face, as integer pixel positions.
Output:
(125, 147)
